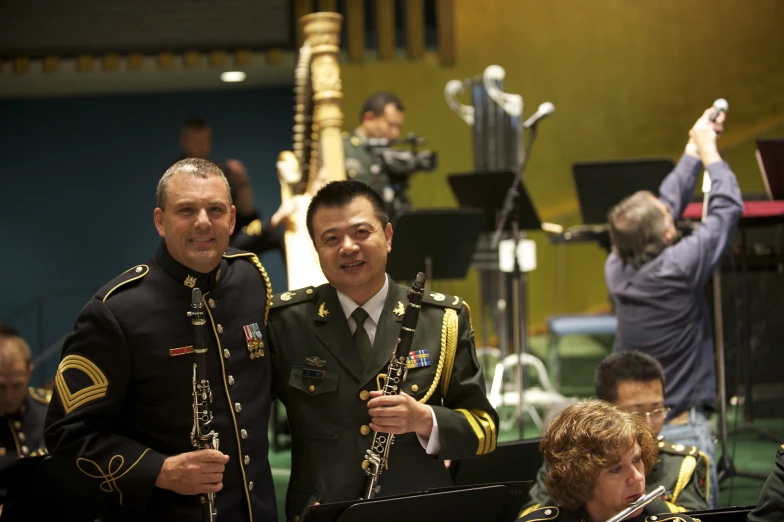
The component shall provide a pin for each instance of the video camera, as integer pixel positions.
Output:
(403, 162)
(400, 165)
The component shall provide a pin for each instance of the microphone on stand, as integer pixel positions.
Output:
(543, 111)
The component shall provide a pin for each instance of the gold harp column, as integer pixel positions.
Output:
(322, 31)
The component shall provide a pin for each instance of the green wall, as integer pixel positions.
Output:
(628, 78)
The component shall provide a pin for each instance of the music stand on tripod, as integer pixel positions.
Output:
(439, 242)
(488, 191)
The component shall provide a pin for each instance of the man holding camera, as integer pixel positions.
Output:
(382, 117)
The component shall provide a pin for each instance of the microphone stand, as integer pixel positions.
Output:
(510, 212)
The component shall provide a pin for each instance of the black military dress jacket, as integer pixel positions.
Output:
(22, 433)
(552, 513)
(325, 387)
(123, 390)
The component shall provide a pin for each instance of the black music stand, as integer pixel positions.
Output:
(518, 460)
(601, 185)
(488, 191)
(439, 242)
(456, 505)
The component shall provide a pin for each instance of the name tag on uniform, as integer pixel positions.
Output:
(310, 373)
(181, 351)
(418, 359)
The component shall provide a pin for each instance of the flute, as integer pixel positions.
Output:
(637, 504)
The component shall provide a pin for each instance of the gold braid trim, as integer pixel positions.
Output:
(440, 368)
(684, 475)
(450, 346)
(255, 260)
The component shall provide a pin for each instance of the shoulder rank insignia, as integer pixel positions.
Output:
(295, 296)
(132, 274)
(439, 299)
(677, 449)
(40, 395)
(543, 513)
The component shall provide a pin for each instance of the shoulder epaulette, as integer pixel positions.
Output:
(438, 299)
(678, 449)
(293, 297)
(132, 274)
(543, 513)
(40, 395)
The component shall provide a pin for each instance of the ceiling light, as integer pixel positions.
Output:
(233, 76)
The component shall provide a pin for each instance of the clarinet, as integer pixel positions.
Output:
(202, 437)
(377, 457)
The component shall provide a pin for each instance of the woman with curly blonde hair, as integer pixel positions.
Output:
(597, 455)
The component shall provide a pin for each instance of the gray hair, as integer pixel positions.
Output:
(637, 228)
(196, 167)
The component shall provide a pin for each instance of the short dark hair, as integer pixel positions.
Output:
(195, 123)
(377, 101)
(637, 229)
(625, 366)
(8, 331)
(339, 194)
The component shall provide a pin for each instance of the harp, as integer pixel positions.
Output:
(316, 157)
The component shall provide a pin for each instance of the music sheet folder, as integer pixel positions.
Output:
(445, 236)
(489, 503)
(487, 191)
(601, 185)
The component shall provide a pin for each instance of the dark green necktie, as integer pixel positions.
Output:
(361, 337)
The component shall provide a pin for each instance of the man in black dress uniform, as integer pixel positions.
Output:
(122, 408)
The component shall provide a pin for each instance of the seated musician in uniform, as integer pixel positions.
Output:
(634, 382)
(331, 342)
(22, 409)
(597, 456)
(657, 284)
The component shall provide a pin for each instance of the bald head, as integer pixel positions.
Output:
(15, 371)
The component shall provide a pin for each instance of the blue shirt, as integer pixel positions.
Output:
(661, 306)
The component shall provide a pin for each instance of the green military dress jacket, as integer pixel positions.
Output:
(361, 164)
(682, 470)
(325, 388)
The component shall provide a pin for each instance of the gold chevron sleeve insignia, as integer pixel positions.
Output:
(484, 429)
(72, 401)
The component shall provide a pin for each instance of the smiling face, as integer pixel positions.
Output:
(352, 246)
(196, 221)
(618, 486)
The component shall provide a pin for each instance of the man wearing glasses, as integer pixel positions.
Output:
(634, 382)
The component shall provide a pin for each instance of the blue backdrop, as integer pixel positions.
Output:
(78, 190)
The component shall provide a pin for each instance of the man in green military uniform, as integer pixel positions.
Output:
(381, 117)
(770, 506)
(634, 382)
(329, 345)
(22, 409)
